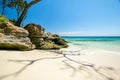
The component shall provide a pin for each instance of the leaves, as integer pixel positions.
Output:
(19, 4)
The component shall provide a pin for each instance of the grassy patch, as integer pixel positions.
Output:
(3, 19)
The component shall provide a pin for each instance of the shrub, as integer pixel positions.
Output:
(3, 19)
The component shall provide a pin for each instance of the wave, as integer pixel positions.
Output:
(93, 40)
(71, 41)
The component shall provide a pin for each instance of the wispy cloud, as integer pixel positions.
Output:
(70, 33)
(86, 33)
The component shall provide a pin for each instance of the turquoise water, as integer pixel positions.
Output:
(108, 43)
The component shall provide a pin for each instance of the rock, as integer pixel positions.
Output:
(47, 45)
(44, 43)
(60, 41)
(44, 40)
(15, 43)
(10, 29)
(34, 30)
(1, 35)
(49, 41)
(14, 38)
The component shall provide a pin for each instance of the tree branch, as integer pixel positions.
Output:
(20, 19)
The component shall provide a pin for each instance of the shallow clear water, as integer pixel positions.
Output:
(105, 43)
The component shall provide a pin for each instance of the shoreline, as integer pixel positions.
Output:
(17, 65)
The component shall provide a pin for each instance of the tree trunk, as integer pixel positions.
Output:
(20, 19)
(3, 8)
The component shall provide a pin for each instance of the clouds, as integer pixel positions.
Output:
(70, 33)
(86, 33)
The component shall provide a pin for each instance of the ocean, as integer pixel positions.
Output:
(107, 43)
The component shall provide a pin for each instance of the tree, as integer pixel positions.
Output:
(18, 5)
(3, 8)
(3, 5)
(25, 10)
(21, 6)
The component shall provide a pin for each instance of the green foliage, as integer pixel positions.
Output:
(18, 5)
(21, 7)
(3, 19)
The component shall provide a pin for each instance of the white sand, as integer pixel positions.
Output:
(47, 67)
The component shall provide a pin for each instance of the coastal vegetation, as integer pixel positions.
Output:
(3, 19)
(21, 7)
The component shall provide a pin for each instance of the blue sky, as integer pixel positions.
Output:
(77, 17)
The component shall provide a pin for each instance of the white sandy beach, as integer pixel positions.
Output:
(46, 65)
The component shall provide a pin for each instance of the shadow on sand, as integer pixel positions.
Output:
(84, 66)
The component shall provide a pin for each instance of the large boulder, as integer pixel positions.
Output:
(34, 30)
(15, 43)
(44, 40)
(47, 42)
(9, 29)
(47, 45)
(14, 38)
(56, 39)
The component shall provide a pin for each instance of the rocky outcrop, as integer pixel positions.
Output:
(44, 40)
(10, 29)
(49, 42)
(34, 30)
(13, 37)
